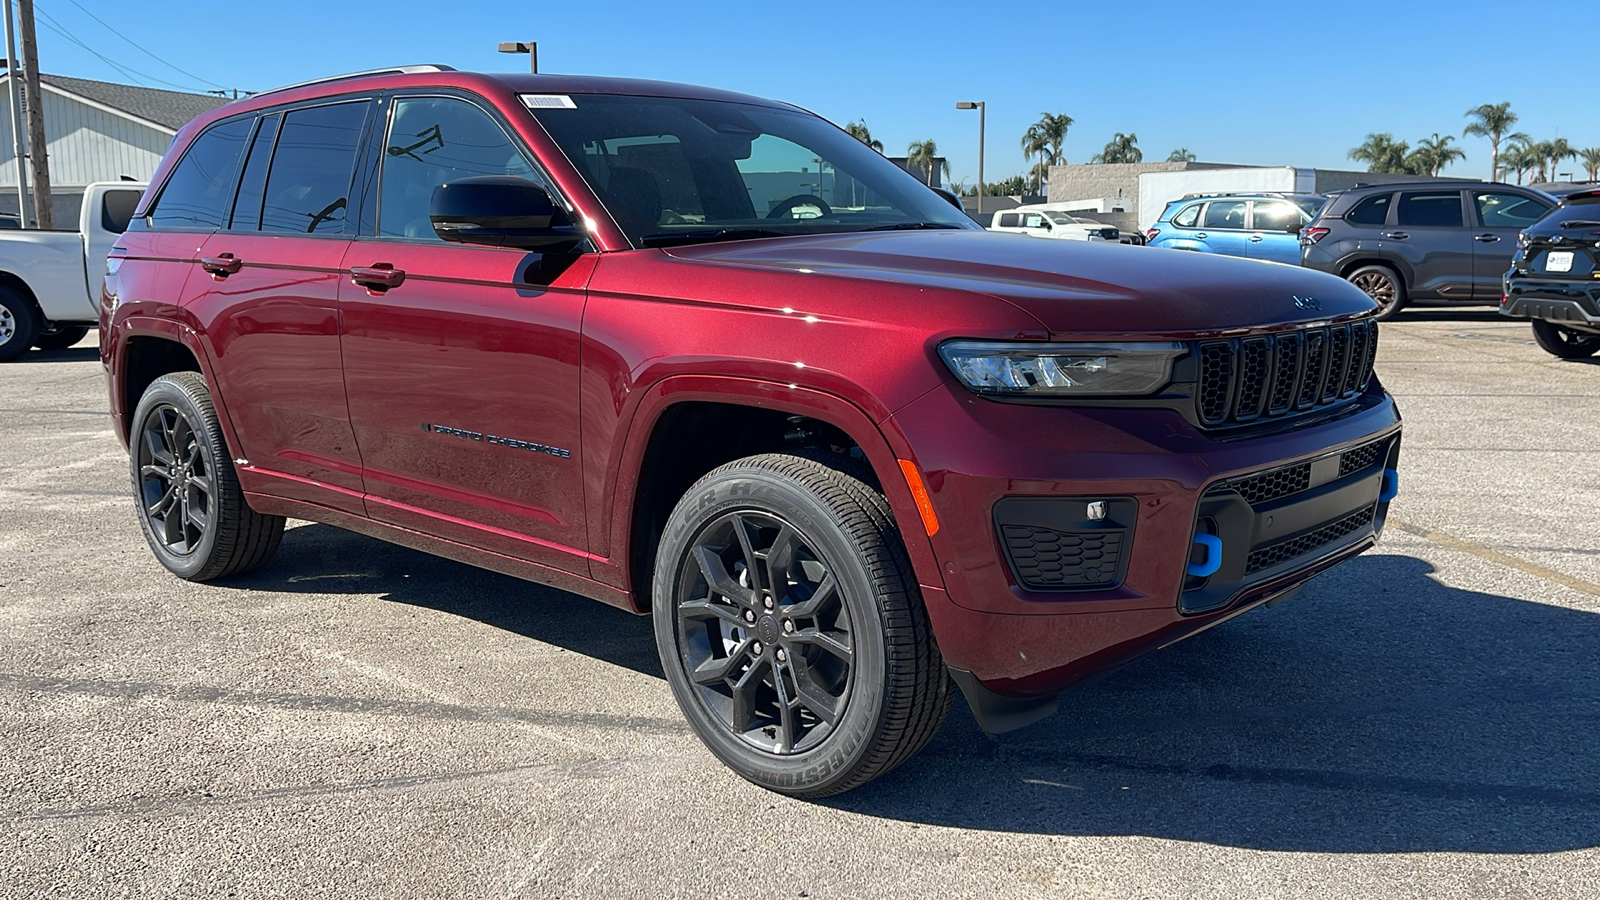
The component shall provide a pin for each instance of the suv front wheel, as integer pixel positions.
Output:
(1383, 285)
(790, 626)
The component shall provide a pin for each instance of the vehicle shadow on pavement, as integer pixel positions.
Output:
(1447, 314)
(84, 353)
(1380, 711)
(326, 560)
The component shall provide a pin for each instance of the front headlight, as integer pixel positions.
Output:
(1061, 370)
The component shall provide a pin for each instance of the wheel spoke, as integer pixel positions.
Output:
(825, 641)
(155, 445)
(744, 697)
(160, 507)
(714, 670)
(709, 609)
(716, 575)
(742, 530)
(195, 516)
(810, 694)
(811, 605)
(153, 472)
(779, 556)
(786, 716)
(202, 483)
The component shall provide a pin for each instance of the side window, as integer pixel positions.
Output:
(1188, 216)
(1225, 214)
(1497, 210)
(253, 184)
(308, 184)
(1372, 211)
(1010, 220)
(197, 193)
(433, 140)
(1032, 220)
(1275, 215)
(1432, 209)
(118, 209)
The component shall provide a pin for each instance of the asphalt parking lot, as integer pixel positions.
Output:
(364, 720)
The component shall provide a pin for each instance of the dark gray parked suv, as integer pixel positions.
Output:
(1441, 241)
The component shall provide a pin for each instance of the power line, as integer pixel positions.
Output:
(129, 72)
(141, 49)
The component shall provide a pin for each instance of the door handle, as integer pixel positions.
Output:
(378, 276)
(1396, 235)
(1200, 234)
(1487, 238)
(1255, 238)
(222, 265)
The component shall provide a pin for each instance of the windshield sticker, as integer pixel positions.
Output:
(548, 101)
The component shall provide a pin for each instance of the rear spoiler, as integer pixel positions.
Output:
(1582, 196)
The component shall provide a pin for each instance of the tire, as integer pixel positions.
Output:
(861, 650)
(1384, 285)
(186, 493)
(1567, 343)
(60, 338)
(17, 325)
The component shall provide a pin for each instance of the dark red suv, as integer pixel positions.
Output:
(705, 356)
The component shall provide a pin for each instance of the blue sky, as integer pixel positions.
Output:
(1253, 83)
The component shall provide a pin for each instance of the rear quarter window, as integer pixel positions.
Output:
(1188, 216)
(1373, 210)
(117, 210)
(201, 185)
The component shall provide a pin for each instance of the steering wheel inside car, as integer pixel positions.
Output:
(784, 208)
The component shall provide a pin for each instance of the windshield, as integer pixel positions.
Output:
(1061, 218)
(674, 171)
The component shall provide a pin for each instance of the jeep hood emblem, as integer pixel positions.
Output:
(1307, 302)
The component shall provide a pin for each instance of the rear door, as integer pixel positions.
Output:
(1275, 231)
(461, 360)
(1499, 216)
(1222, 228)
(1430, 233)
(266, 289)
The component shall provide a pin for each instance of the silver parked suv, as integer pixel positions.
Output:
(1442, 241)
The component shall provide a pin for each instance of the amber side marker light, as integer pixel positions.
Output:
(919, 492)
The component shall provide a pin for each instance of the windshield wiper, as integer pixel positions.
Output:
(913, 226)
(708, 235)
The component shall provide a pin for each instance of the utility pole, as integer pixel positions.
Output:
(15, 91)
(37, 154)
(982, 108)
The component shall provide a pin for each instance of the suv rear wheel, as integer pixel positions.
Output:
(1383, 285)
(1567, 343)
(191, 508)
(790, 626)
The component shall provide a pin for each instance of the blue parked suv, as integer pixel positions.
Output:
(1256, 226)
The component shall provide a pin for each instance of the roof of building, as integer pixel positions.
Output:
(169, 109)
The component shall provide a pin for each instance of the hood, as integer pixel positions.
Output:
(1071, 287)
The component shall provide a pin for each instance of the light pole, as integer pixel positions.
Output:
(529, 47)
(979, 106)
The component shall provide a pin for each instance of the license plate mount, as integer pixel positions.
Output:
(1558, 261)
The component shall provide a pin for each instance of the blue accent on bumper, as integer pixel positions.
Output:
(1391, 486)
(1213, 545)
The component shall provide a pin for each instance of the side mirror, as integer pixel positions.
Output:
(501, 211)
(950, 197)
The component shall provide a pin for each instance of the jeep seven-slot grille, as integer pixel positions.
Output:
(1246, 379)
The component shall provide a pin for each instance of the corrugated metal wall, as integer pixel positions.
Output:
(85, 144)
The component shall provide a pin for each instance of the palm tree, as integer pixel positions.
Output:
(1556, 151)
(1122, 148)
(1591, 161)
(1182, 154)
(1434, 153)
(924, 155)
(1036, 142)
(1491, 120)
(858, 130)
(1382, 153)
(1055, 131)
(1519, 155)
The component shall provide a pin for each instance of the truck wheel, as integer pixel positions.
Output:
(1567, 343)
(17, 325)
(60, 338)
(190, 506)
(1383, 285)
(791, 629)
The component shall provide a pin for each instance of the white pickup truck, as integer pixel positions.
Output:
(1051, 223)
(50, 280)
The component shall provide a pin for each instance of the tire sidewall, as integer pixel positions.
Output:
(1386, 312)
(171, 392)
(26, 326)
(1544, 334)
(841, 752)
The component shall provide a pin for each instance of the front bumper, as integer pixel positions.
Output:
(1160, 480)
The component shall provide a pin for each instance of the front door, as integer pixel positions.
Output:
(1275, 231)
(1501, 216)
(1222, 228)
(462, 361)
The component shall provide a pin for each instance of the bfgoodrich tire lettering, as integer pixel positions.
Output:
(187, 496)
(770, 568)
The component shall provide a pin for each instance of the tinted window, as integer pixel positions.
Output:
(1434, 209)
(308, 186)
(433, 140)
(197, 194)
(1010, 220)
(1225, 214)
(1507, 210)
(1276, 215)
(118, 210)
(252, 185)
(1188, 216)
(1372, 211)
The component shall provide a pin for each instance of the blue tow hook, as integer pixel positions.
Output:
(1391, 486)
(1213, 562)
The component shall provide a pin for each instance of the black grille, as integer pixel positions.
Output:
(1271, 485)
(1242, 380)
(1046, 559)
(1267, 557)
(1361, 457)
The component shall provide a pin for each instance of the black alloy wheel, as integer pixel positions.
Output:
(764, 632)
(790, 626)
(1383, 286)
(1567, 343)
(190, 506)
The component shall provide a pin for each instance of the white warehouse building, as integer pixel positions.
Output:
(96, 131)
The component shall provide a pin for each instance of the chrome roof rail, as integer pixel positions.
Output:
(392, 70)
